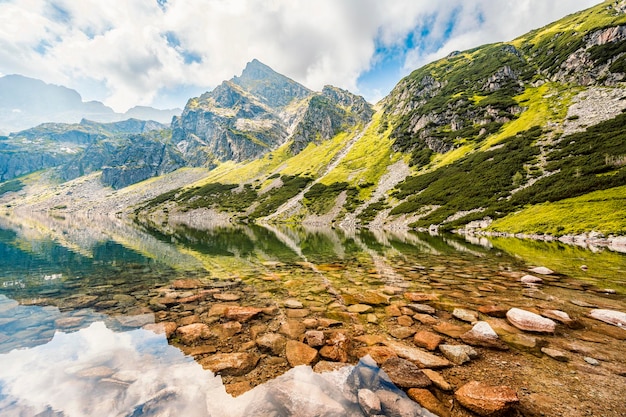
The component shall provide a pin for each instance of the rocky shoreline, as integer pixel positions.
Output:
(450, 350)
(591, 240)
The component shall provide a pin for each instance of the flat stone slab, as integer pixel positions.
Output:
(419, 357)
(616, 318)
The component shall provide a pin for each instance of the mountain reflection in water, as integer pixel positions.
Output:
(108, 369)
(86, 304)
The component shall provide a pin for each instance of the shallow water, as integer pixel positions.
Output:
(79, 299)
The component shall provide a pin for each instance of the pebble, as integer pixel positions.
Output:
(591, 361)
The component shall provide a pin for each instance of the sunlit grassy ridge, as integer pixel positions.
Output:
(601, 211)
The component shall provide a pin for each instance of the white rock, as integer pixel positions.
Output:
(616, 318)
(542, 270)
(525, 320)
(531, 279)
(465, 315)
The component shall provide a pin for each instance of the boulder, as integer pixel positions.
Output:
(486, 400)
(525, 320)
(405, 374)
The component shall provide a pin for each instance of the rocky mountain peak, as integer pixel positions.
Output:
(272, 88)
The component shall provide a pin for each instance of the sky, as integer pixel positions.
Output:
(163, 52)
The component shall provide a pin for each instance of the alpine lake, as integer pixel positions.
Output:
(103, 317)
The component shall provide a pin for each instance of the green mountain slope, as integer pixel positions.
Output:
(480, 133)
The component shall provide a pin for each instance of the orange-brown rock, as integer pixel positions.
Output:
(486, 400)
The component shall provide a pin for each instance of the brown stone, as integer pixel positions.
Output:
(234, 364)
(336, 348)
(405, 374)
(494, 310)
(405, 321)
(189, 320)
(417, 356)
(227, 330)
(326, 366)
(402, 332)
(218, 310)
(186, 284)
(241, 314)
(293, 329)
(451, 330)
(562, 317)
(425, 318)
(426, 339)
(227, 296)
(393, 311)
(369, 297)
(458, 354)
(271, 342)
(420, 297)
(314, 338)
(427, 400)
(486, 400)
(193, 333)
(299, 353)
(237, 388)
(297, 313)
(379, 353)
(438, 380)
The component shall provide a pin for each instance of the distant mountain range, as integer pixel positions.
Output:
(27, 102)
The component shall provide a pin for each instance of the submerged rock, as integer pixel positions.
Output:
(486, 400)
(458, 354)
(483, 335)
(465, 315)
(369, 402)
(417, 356)
(542, 270)
(616, 318)
(427, 400)
(531, 279)
(235, 364)
(426, 339)
(405, 374)
(299, 353)
(525, 320)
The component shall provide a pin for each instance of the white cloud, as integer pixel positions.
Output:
(123, 44)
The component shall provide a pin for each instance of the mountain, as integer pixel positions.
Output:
(27, 102)
(483, 134)
(251, 115)
(129, 151)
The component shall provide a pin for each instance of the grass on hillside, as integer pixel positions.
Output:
(601, 211)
